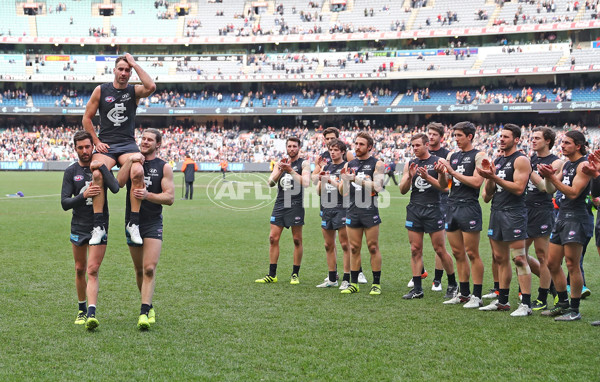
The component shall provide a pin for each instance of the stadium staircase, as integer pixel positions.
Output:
(320, 101)
(397, 100)
(413, 16)
(580, 14)
(32, 27)
(564, 61)
(493, 16)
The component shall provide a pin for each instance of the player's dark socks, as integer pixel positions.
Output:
(423, 270)
(134, 218)
(497, 285)
(552, 288)
(83, 306)
(438, 275)
(575, 304)
(360, 270)
(477, 288)
(543, 294)
(346, 277)
(333, 276)
(376, 277)
(464, 288)
(417, 282)
(520, 289)
(151, 306)
(91, 311)
(563, 296)
(451, 279)
(98, 219)
(503, 296)
(354, 277)
(526, 299)
(295, 269)
(272, 270)
(145, 309)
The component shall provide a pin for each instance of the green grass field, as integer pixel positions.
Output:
(215, 323)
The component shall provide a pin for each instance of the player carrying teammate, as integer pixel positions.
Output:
(158, 190)
(76, 194)
(117, 102)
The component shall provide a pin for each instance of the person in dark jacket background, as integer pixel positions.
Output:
(188, 168)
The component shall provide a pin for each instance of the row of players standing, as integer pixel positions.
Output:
(444, 201)
(149, 181)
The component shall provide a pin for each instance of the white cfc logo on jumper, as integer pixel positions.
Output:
(115, 115)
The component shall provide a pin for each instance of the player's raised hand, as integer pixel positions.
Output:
(486, 170)
(412, 169)
(546, 170)
(130, 59)
(422, 172)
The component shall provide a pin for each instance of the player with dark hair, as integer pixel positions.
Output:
(333, 215)
(540, 211)
(506, 180)
(329, 135)
(116, 103)
(435, 133)
(159, 191)
(291, 175)
(463, 216)
(76, 194)
(423, 213)
(568, 234)
(362, 180)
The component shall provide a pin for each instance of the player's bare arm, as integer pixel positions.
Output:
(148, 86)
(167, 196)
(520, 177)
(275, 175)
(90, 112)
(407, 175)
(579, 182)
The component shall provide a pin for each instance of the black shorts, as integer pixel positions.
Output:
(363, 219)
(540, 221)
(82, 235)
(148, 230)
(572, 227)
(117, 149)
(287, 217)
(444, 204)
(508, 225)
(464, 217)
(333, 218)
(424, 219)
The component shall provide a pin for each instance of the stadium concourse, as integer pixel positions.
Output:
(210, 144)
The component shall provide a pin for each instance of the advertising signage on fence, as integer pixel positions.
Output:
(325, 110)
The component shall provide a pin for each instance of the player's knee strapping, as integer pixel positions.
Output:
(522, 265)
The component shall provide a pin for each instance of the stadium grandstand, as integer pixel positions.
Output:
(233, 74)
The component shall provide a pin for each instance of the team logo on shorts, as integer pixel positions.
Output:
(109, 99)
(440, 222)
(78, 178)
(545, 226)
(572, 233)
(472, 222)
(490, 232)
(409, 224)
(297, 218)
(517, 231)
(375, 217)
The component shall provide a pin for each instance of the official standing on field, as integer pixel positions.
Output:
(189, 169)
